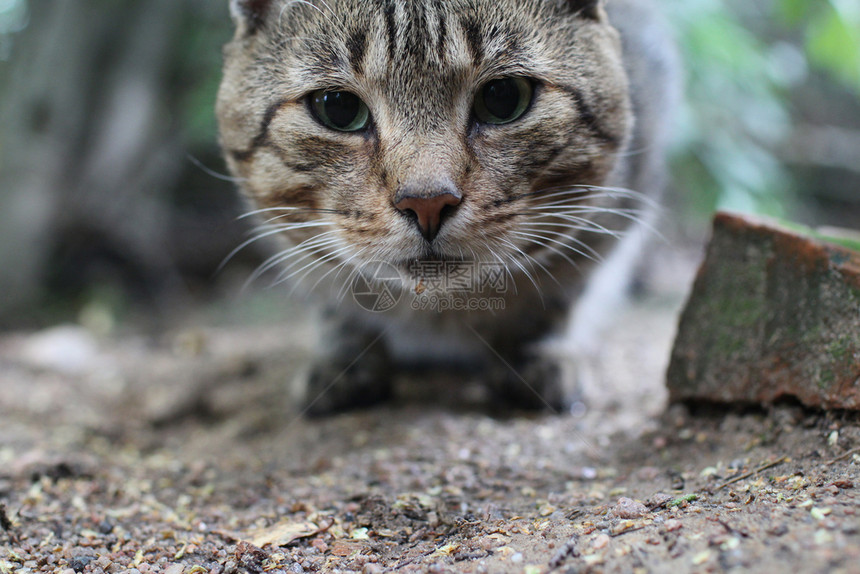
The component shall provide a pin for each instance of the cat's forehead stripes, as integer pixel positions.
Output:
(402, 38)
(415, 32)
(356, 45)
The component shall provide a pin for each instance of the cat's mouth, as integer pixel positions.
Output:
(429, 258)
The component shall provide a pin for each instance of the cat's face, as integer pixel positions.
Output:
(398, 130)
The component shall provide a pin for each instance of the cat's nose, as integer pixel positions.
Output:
(429, 209)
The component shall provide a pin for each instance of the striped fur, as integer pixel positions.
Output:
(418, 65)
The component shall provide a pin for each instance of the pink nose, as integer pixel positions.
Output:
(429, 211)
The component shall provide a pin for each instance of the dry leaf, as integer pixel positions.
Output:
(345, 548)
(282, 534)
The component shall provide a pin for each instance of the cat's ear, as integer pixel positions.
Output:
(592, 9)
(249, 15)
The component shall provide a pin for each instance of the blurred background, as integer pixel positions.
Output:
(113, 204)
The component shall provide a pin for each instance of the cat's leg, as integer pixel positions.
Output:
(538, 377)
(554, 367)
(352, 370)
(524, 367)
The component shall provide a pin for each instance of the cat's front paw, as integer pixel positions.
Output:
(536, 382)
(347, 382)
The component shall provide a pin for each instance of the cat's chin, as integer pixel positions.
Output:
(428, 258)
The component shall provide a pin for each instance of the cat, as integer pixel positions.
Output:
(493, 156)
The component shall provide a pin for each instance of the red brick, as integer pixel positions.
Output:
(774, 313)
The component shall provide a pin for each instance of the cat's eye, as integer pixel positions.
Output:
(503, 101)
(340, 110)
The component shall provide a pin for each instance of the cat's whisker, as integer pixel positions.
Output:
(572, 223)
(311, 267)
(317, 254)
(337, 268)
(633, 152)
(307, 247)
(579, 200)
(590, 252)
(290, 226)
(525, 271)
(267, 210)
(538, 289)
(614, 189)
(262, 233)
(563, 212)
(287, 211)
(540, 240)
(543, 240)
(575, 211)
(292, 3)
(591, 191)
(559, 192)
(501, 261)
(627, 193)
(525, 256)
(636, 217)
(580, 193)
(311, 240)
(211, 172)
(571, 231)
(307, 270)
(473, 253)
(534, 261)
(353, 271)
(631, 214)
(269, 229)
(259, 272)
(242, 246)
(308, 250)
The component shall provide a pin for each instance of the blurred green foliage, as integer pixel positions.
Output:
(13, 18)
(199, 57)
(831, 30)
(743, 60)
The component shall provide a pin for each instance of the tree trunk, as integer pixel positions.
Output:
(89, 145)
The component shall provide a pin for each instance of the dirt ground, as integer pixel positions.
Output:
(183, 452)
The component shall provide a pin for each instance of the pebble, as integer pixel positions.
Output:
(78, 563)
(660, 499)
(602, 541)
(628, 508)
(105, 527)
(67, 349)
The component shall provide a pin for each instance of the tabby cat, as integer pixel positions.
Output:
(459, 143)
